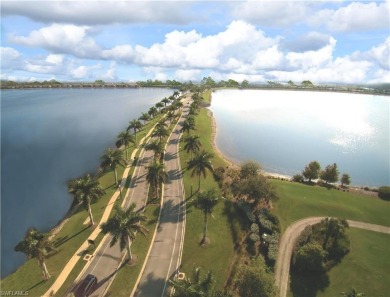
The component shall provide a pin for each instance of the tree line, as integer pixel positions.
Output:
(330, 174)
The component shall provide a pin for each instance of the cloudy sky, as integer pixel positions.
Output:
(322, 41)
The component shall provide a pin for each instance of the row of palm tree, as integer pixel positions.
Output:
(125, 224)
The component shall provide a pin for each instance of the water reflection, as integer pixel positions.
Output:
(329, 127)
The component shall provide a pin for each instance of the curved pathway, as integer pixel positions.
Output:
(289, 239)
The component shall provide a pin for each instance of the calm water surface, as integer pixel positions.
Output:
(51, 136)
(285, 130)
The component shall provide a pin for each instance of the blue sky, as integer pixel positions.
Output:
(322, 41)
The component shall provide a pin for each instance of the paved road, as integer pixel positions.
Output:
(165, 254)
(289, 239)
(106, 261)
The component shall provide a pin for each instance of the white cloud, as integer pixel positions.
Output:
(342, 70)
(110, 74)
(82, 72)
(381, 54)
(272, 13)
(61, 39)
(312, 59)
(356, 16)
(187, 75)
(270, 58)
(310, 41)
(101, 12)
(10, 58)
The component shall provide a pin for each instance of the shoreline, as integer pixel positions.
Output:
(235, 164)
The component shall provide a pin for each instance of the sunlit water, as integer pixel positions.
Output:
(285, 130)
(51, 136)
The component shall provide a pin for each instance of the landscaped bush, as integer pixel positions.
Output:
(384, 193)
(298, 178)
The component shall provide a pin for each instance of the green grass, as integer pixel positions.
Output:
(364, 268)
(223, 226)
(68, 240)
(207, 96)
(297, 201)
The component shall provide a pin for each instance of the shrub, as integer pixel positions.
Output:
(384, 193)
(254, 228)
(266, 225)
(254, 237)
(298, 178)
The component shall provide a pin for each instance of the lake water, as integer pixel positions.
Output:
(285, 130)
(48, 137)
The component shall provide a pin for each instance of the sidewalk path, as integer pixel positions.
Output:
(289, 239)
(164, 256)
(79, 253)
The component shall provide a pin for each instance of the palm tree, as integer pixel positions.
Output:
(159, 105)
(170, 116)
(157, 147)
(160, 132)
(187, 126)
(144, 117)
(156, 174)
(165, 101)
(196, 286)
(86, 190)
(153, 111)
(200, 163)
(206, 201)
(124, 226)
(192, 144)
(135, 125)
(193, 111)
(125, 138)
(111, 159)
(353, 293)
(36, 245)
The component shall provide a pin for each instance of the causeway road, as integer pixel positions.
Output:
(289, 239)
(106, 260)
(164, 257)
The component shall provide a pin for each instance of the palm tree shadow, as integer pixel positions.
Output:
(34, 286)
(107, 278)
(61, 240)
(151, 287)
(237, 220)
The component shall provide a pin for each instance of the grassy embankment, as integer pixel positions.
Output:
(223, 226)
(68, 240)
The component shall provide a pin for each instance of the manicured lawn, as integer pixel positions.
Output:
(365, 268)
(297, 201)
(223, 225)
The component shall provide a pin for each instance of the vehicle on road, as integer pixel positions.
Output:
(87, 286)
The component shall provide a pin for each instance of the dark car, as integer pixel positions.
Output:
(87, 286)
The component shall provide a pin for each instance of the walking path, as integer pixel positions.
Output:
(289, 239)
(80, 252)
(164, 255)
